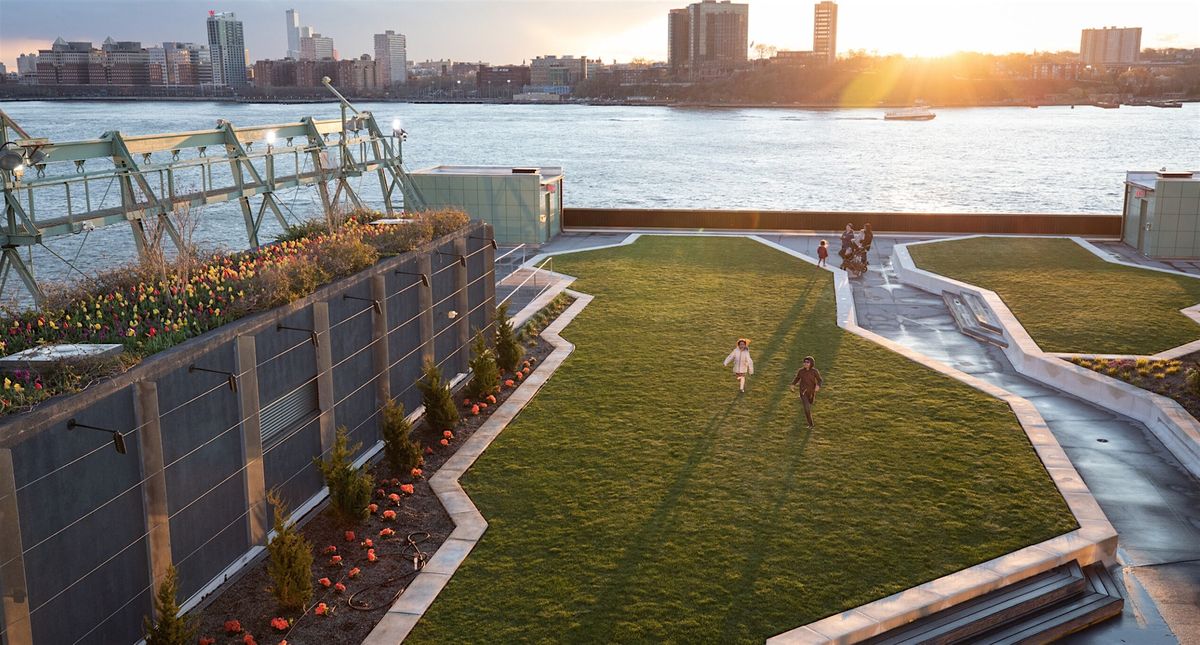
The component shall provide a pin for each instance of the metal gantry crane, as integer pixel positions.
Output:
(50, 188)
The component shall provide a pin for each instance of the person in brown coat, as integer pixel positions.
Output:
(809, 379)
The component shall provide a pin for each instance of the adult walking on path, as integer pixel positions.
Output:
(743, 365)
(808, 377)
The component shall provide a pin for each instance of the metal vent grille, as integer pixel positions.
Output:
(285, 412)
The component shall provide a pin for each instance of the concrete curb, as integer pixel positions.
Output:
(1169, 422)
(1094, 540)
(469, 524)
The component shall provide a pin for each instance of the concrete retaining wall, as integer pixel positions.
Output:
(86, 533)
(759, 220)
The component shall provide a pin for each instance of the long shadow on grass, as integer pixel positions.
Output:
(655, 527)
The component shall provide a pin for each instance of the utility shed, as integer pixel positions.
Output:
(523, 204)
(1161, 217)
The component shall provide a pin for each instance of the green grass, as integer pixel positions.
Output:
(1068, 299)
(639, 498)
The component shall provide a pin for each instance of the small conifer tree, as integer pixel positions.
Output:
(484, 374)
(170, 628)
(402, 453)
(349, 488)
(440, 410)
(508, 346)
(289, 561)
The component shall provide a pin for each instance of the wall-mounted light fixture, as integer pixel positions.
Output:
(118, 438)
(312, 334)
(462, 259)
(232, 378)
(491, 241)
(375, 304)
(424, 277)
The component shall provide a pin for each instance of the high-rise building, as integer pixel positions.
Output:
(825, 30)
(678, 41)
(1110, 46)
(718, 37)
(317, 47)
(293, 33)
(391, 58)
(227, 47)
(556, 75)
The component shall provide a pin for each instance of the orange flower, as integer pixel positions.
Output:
(280, 624)
(386, 533)
(349, 536)
(335, 560)
(407, 489)
(417, 472)
(508, 382)
(233, 627)
(394, 497)
(491, 399)
(373, 508)
(354, 572)
(447, 434)
(325, 582)
(368, 543)
(321, 609)
(371, 555)
(444, 442)
(249, 640)
(389, 515)
(339, 587)
(330, 549)
(475, 410)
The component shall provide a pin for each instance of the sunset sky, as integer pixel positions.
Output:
(504, 31)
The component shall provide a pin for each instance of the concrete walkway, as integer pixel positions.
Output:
(1146, 494)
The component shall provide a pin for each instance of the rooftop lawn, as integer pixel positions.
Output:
(1068, 299)
(640, 498)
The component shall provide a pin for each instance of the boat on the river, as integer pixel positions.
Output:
(918, 113)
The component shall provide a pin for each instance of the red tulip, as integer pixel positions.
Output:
(325, 582)
(349, 536)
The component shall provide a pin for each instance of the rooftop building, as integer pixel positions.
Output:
(391, 58)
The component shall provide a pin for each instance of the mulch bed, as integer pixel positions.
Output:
(250, 602)
(1165, 377)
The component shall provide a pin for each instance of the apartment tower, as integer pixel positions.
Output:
(391, 58)
(227, 48)
(825, 30)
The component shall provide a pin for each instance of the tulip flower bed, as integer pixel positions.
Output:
(1068, 299)
(640, 498)
(148, 309)
(370, 563)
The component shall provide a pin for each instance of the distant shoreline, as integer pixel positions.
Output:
(675, 104)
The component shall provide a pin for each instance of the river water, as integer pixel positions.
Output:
(1019, 160)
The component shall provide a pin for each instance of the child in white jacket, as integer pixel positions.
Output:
(743, 365)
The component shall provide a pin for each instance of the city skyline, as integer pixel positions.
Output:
(605, 29)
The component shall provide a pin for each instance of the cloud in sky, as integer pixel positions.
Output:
(504, 31)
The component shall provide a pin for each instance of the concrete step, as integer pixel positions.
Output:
(969, 323)
(983, 314)
(965, 621)
(1039, 609)
(1101, 600)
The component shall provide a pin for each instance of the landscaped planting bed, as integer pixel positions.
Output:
(382, 565)
(155, 305)
(1067, 298)
(1178, 379)
(640, 498)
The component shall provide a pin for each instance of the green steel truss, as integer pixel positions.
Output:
(323, 153)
